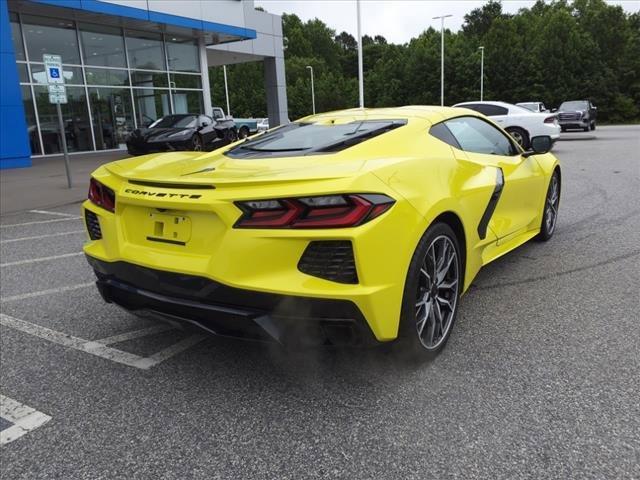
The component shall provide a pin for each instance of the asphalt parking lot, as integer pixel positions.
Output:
(540, 379)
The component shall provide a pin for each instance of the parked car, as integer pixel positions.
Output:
(577, 114)
(537, 107)
(188, 131)
(520, 123)
(258, 240)
(246, 126)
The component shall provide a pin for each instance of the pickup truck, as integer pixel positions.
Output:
(243, 126)
(577, 114)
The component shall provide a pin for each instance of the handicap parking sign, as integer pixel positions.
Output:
(54, 72)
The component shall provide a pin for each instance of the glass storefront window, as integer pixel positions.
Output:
(72, 75)
(106, 76)
(102, 45)
(75, 117)
(183, 54)
(151, 105)
(112, 116)
(116, 80)
(185, 81)
(149, 79)
(16, 37)
(51, 35)
(145, 50)
(187, 101)
(30, 117)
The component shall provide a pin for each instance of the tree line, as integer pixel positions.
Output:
(551, 52)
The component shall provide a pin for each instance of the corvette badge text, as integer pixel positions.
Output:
(160, 194)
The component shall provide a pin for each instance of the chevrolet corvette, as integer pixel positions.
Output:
(361, 226)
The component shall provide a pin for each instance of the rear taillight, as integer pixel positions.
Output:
(551, 119)
(328, 211)
(102, 195)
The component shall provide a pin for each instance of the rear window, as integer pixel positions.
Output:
(308, 138)
(485, 109)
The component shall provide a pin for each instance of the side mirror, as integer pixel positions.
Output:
(205, 123)
(539, 145)
(554, 110)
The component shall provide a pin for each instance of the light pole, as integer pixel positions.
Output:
(481, 71)
(226, 89)
(360, 74)
(442, 17)
(313, 93)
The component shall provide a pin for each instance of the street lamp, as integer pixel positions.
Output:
(481, 71)
(313, 93)
(360, 68)
(442, 17)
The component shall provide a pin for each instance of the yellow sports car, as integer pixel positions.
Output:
(351, 227)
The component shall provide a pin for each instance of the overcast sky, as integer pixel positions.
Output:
(397, 20)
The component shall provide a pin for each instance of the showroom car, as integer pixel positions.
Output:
(355, 227)
(522, 124)
(189, 131)
(577, 114)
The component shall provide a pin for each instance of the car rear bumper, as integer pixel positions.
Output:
(228, 311)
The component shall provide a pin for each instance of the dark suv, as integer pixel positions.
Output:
(577, 114)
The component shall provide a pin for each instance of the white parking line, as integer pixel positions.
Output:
(145, 332)
(51, 291)
(40, 221)
(24, 419)
(47, 212)
(95, 347)
(41, 259)
(38, 237)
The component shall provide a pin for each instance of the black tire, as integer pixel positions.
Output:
(410, 341)
(593, 125)
(243, 133)
(196, 143)
(563, 129)
(520, 135)
(547, 228)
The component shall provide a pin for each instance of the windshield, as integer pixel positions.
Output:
(176, 121)
(575, 105)
(302, 138)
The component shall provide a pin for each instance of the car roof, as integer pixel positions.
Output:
(485, 102)
(431, 113)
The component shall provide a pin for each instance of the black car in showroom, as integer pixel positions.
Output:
(186, 131)
(577, 114)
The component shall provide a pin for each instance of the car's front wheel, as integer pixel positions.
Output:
(431, 293)
(551, 205)
(196, 143)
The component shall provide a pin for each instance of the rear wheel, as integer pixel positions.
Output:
(431, 293)
(593, 125)
(519, 135)
(551, 204)
(243, 133)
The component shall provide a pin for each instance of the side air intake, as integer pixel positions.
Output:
(330, 259)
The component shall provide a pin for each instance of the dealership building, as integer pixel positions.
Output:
(125, 64)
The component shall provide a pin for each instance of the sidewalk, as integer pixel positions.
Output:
(44, 185)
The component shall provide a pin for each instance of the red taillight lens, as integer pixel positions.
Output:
(329, 211)
(102, 195)
(550, 119)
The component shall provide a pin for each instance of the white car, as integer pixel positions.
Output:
(533, 106)
(520, 123)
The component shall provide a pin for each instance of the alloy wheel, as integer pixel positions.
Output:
(518, 137)
(437, 293)
(551, 206)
